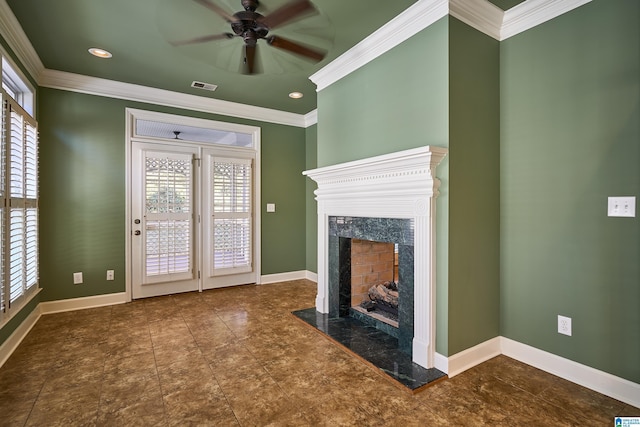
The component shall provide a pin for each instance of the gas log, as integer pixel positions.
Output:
(383, 297)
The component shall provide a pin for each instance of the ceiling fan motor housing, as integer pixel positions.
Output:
(250, 5)
(249, 27)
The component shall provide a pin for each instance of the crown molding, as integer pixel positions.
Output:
(17, 40)
(479, 14)
(410, 22)
(311, 118)
(532, 13)
(131, 92)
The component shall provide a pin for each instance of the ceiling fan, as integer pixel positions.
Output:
(252, 26)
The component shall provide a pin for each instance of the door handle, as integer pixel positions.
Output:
(137, 232)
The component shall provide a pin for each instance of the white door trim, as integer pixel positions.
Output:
(130, 115)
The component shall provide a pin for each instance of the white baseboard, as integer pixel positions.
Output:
(283, 277)
(586, 376)
(312, 276)
(82, 303)
(473, 356)
(9, 346)
(441, 363)
(618, 388)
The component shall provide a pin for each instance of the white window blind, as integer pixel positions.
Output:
(232, 210)
(19, 193)
(168, 214)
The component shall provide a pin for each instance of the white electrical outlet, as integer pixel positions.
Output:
(109, 274)
(564, 325)
(77, 278)
(621, 206)
(271, 207)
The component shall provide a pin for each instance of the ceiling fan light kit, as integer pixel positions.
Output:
(252, 26)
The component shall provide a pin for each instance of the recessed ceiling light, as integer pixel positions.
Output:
(296, 95)
(100, 53)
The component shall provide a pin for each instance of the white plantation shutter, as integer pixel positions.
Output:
(30, 160)
(16, 254)
(19, 228)
(168, 187)
(232, 210)
(31, 247)
(3, 203)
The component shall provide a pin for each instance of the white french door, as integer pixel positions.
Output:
(164, 206)
(192, 218)
(228, 227)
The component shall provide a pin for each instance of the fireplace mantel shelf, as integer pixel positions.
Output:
(389, 174)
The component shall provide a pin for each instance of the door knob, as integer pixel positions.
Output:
(136, 221)
(137, 232)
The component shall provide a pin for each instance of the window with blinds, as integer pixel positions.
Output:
(19, 204)
(232, 210)
(168, 214)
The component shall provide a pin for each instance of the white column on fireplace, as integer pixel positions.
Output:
(397, 185)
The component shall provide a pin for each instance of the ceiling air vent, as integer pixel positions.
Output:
(205, 86)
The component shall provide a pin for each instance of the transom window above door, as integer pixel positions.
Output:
(185, 132)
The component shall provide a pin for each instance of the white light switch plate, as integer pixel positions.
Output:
(271, 207)
(621, 206)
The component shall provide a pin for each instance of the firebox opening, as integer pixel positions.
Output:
(374, 280)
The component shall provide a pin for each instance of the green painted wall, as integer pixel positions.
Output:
(474, 184)
(82, 217)
(284, 231)
(82, 194)
(570, 138)
(311, 152)
(396, 102)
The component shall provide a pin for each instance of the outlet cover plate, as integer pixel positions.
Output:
(77, 278)
(564, 325)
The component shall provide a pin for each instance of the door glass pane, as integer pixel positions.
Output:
(231, 187)
(168, 247)
(232, 243)
(168, 216)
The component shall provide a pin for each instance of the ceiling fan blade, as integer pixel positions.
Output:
(249, 59)
(293, 47)
(217, 9)
(203, 39)
(288, 12)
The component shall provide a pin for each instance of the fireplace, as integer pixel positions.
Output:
(388, 199)
(346, 233)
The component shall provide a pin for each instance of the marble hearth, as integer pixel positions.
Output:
(389, 198)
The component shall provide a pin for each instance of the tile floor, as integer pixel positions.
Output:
(236, 357)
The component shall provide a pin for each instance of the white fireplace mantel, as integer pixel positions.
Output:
(396, 185)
